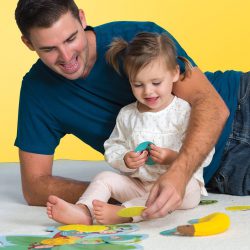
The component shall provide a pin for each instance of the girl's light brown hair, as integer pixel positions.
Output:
(139, 52)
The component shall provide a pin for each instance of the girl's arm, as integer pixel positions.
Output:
(116, 146)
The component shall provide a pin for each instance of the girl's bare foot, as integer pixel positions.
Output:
(107, 213)
(67, 213)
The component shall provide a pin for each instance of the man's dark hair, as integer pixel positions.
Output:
(42, 13)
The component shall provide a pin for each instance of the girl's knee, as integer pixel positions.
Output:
(192, 195)
(106, 175)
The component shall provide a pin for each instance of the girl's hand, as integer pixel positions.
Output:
(163, 156)
(135, 160)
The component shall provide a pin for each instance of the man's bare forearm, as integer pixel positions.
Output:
(38, 182)
(208, 116)
(203, 132)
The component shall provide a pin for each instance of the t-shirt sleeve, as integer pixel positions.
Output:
(37, 130)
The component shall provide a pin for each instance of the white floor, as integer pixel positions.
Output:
(18, 218)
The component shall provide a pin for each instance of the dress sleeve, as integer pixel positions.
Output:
(208, 159)
(116, 146)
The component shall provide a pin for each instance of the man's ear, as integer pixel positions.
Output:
(28, 43)
(82, 18)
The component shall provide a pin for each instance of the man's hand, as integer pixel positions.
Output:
(135, 160)
(166, 195)
(163, 156)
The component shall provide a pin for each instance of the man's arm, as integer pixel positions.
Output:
(208, 116)
(38, 182)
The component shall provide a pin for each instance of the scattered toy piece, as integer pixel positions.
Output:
(207, 202)
(238, 208)
(211, 224)
(131, 211)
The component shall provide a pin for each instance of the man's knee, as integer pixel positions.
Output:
(233, 176)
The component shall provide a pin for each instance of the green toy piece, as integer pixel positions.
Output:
(145, 146)
(207, 202)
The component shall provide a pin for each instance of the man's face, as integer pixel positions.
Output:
(63, 47)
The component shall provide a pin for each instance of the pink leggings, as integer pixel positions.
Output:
(131, 191)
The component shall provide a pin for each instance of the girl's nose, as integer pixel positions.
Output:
(147, 90)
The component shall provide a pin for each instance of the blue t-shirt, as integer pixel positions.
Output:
(52, 106)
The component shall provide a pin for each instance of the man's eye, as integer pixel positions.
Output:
(71, 39)
(48, 50)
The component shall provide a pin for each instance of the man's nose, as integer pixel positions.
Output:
(65, 54)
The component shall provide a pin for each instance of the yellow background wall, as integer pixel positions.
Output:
(216, 34)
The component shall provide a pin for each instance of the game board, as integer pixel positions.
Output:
(76, 236)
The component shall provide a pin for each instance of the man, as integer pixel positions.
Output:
(71, 89)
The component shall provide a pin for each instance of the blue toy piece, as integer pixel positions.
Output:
(145, 146)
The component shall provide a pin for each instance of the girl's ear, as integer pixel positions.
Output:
(176, 74)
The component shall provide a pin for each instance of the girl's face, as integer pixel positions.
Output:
(152, 86)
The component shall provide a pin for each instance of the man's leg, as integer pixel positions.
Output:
(233, 175)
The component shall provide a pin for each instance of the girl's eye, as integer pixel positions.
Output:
(156, 83)
(137, 85)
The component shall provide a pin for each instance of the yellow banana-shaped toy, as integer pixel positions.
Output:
(211, 224)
